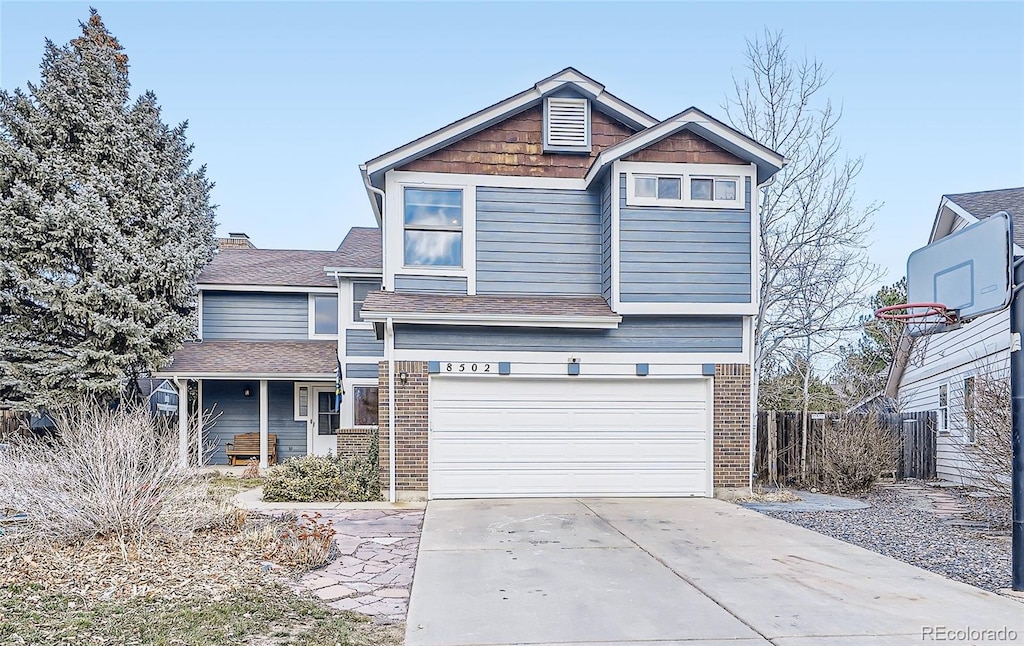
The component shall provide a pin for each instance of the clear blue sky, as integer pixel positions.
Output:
(284, 100)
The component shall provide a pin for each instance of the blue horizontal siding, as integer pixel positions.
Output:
(255, 316)
(431, 284)
(649, 334)
(236, 413)
(676, 255)
(363, 343)
(361, 370)
(531, 241)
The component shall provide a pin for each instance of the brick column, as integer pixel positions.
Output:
(410, 427)
(732, 425)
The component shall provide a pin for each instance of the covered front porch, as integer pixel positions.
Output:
(271, 399)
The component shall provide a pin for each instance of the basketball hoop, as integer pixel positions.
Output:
(925, 313)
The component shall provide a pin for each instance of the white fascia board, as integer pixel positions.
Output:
(289, 289)
(695, 360)
(691, 309)
(352, 272)
(497, 112)
(246, 376)
(515, 320)
(674, 124)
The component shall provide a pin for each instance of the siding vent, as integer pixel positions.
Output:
(567, 124)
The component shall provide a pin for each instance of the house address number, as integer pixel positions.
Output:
(468, 367)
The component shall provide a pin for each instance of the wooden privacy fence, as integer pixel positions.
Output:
(10, 423)
(780, 443)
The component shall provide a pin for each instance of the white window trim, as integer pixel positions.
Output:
(686, 172)
(350, 318)
(942, 412)
(298, 417)
(311, 304)
(350, 399)
(394, 228)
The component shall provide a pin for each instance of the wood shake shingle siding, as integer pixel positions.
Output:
(684, 147)
(255, 316)
(635, 334)
(516, 147)
(430, 284)
(683, 255)
(538, 241)
(237, 413)
(363, 343)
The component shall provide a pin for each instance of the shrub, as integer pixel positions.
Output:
(855, 451)
(305, 541)
(317, 478)
(104, 472)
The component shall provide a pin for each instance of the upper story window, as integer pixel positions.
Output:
(433, 227)
(359, 292)
(566, 124)
(680, 188)
(721, 189)
(325, 315)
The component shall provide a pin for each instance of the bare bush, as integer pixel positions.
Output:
(304, 542)
(106, 472)
(855, 451)
(986, 406)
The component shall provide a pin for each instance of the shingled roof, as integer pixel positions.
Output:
(985, 203)
(562, 306)
(258, 358)
(290, 267)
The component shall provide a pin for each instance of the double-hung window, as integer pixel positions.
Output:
(943, 408)
(433, 227)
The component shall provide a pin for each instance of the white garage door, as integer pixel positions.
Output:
(508, 437)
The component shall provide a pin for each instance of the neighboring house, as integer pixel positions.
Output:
(562, 305)
(274, 326)
(160, 395)
(938, 372)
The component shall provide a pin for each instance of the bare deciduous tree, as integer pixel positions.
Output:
(980, 407)
(813, 264)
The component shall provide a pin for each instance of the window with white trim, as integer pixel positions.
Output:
(684, 190)
(943, 410)
(970, 431)
(301, 402)
(432, 227)
(325, 315)
(364, 402)
(359, 292)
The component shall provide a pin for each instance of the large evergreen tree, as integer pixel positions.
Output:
(863, 367)
(104, 228)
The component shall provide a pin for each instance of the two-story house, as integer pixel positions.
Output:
(562, 305)
(567, 296)
(274, 327)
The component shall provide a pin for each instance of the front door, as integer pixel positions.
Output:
(326, 422)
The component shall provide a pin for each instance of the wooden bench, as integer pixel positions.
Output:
(247, 445)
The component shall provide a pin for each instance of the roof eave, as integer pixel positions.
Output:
(510, 320)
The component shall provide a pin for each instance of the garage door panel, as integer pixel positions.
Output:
(567, 436)
(547, 449)
(486, 482)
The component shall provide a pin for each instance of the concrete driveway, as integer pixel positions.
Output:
(671, 571)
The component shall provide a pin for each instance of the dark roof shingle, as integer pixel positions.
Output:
(392, 302)
(290, 267)
(254, 357)
(985, 203)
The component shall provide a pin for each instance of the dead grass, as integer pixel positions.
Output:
(264, 615)
(770, 495)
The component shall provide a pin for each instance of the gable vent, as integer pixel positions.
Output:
(567, 124)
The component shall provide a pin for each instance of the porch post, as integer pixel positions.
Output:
(200, 421)
(264, 425)
(182, 421)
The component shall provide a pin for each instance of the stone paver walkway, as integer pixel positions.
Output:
(934, 497)
(373, 572)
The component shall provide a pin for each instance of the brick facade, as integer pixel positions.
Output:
(732, 425)
(516, 147)
(354, 442)
(410, 426)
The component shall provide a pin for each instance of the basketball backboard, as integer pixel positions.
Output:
(969, 271)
